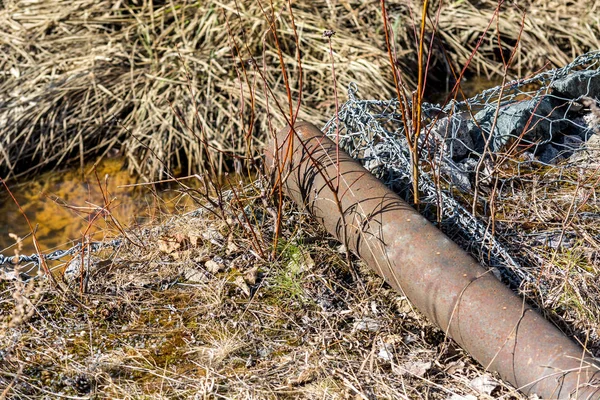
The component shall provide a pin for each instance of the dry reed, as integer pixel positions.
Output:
(179, 86)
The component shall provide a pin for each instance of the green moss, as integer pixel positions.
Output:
(287, 279)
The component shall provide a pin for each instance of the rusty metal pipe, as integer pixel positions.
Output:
(474, 308)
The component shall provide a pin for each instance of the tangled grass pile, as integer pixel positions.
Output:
(187, 86)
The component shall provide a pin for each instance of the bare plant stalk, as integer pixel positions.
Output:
(399, 93)
(271, 20)
(328, 34)
(486, 147)
(417, 109)
(411, 129)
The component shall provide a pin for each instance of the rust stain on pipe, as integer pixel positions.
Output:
(475, 309)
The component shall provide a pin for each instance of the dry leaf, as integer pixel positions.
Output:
(366, 324)
(455, 367)
(484, 384)
(386, 352)
(241, 283)
(194, 240)
(251, 275)
(194, 276)
(213, 267)
(305, 376)
(168, 246)
(415, 368)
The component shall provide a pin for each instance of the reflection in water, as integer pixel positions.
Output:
(63, 207)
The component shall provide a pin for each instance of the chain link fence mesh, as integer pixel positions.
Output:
(28, 265)
(70, 260)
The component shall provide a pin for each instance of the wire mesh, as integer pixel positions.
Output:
(480, 157)
(29, 264)
(24, 267)
(474, 154)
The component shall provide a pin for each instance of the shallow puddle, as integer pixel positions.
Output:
(65, 206)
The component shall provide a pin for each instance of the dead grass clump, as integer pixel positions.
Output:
(549, 219)
(193, 313)
(160, 82)
(548, 33)
(188, 86)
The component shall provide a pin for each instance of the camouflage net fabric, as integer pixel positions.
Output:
(474, 153)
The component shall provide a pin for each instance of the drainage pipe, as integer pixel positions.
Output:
(473, 307)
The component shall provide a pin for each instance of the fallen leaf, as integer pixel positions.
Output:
(168, 246)
(484, 384)
(455, 367)
(213, 236)
(305, 376)
(415, 368)
(366, 324)
(231, 246)
(386, 352)
(251, 275)
(194, 276)
(213, 267)
(194, 240)
(241, 283)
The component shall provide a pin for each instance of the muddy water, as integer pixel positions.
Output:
(63, 207)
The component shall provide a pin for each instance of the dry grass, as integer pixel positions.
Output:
(160, 82)
(200, 309)
(553, 34)
(194, 314)
(169, 83)
(549, 219)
